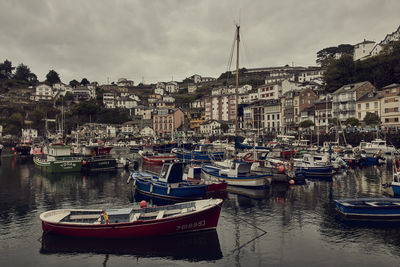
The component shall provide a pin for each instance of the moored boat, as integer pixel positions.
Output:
(134, 222)
(58, 159)
(380, 209)
(168, 184)
(313, 166)
(151, 157)
(97, 157)
(396, 177)
(239, 175)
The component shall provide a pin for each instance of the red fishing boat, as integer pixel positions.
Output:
(152, 157)
(134, 222)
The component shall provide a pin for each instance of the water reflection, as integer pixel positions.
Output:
(200, 246)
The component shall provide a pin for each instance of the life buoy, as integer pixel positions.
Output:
(248, 156)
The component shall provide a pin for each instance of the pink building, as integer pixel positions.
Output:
(167, 120)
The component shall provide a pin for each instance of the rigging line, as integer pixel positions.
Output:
(246, 53)
(228, 67)
(252, 224)
(248, 242)
(230, 59)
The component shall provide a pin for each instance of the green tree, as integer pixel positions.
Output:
(84, 82)
(74, 83)
(325, 55)
(69, 96)
(23, 73)
(352, 122)
(306, 124)
(6, 69)
(339, 73)
(37, 117)
(224, 127)
(371, 119)
(15, 123)
(52, 77)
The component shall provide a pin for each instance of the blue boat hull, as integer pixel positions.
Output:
(199, 157)
(396, 190)
(369, 209)
(185, 191)
(314, 172)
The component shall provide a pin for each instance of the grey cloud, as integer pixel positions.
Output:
(160, 39)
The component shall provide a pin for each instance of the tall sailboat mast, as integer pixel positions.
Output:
(237, 78)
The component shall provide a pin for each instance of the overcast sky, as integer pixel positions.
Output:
(157, 40)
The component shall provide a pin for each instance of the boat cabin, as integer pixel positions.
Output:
(240, 168)
(171, 172)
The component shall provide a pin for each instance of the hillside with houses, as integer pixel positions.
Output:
(270, 100)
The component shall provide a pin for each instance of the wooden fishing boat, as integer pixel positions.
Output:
(151, 157)
(381, 209)
(168, 184)
(134, 222)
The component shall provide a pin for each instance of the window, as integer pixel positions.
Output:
(386, 110)
(359, 115)
(359, 106)
(376, 104)
(396, 109)
(396, 119)
(386, 120)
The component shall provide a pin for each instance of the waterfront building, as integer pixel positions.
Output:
(29, 134)
(159, 91)
(147, 132)
(368, 103)
(143, 111)
(196, 118)
(123, 82)
(172, 87)
(390, 105)
(167, 120)
(363, 50)
(290, 110)
(345, 98)
(323, 112)
(269, 92)
(307, 98)
(84, 92)
(109, 100)
(214, 127)
(220, 107)
(272, 116)
(43, 92)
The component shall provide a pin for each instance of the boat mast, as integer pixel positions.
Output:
(237, 77)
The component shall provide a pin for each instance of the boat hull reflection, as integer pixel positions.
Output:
(200, 246)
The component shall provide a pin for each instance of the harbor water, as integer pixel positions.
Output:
(280, 225)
